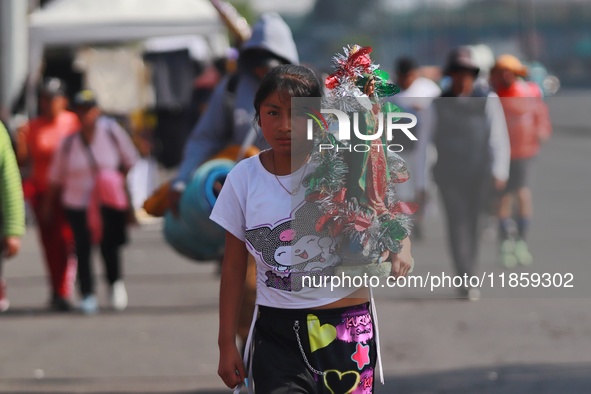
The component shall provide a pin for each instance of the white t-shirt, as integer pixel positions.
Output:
(279, 231)
(73, 169)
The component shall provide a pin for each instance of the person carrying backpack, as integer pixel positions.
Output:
(228, 119)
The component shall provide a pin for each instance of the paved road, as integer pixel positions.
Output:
(508, 342)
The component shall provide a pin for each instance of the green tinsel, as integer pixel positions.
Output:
(386, 89)
(330, 172)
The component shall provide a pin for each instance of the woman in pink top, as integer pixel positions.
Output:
(101, 145)
(37, 143)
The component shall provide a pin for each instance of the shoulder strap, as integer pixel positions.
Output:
(112, 133)
(68, 143)
(116, 143)
(229, 101)
(66, 150)
(91, 158)
(232, 84)
(228, 111)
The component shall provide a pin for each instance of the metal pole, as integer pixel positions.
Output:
(13, 52)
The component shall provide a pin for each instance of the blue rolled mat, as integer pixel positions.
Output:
(193, 234)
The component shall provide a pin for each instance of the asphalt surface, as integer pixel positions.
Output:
(521, 340)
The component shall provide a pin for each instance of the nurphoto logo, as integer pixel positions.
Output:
(391, 121)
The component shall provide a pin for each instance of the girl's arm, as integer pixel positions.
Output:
(231, 368)
(22, 144)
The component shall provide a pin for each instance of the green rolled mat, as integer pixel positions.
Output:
(193, 234)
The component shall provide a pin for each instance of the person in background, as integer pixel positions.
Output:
(37, 142)
(529, 126)
(12, 208)
(415, 96)
(468, 128)
(228, 118)
(101, 144)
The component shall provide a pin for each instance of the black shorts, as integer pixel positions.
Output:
(520, 173)
(338, 344)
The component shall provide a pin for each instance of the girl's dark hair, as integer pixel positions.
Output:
(289, 80)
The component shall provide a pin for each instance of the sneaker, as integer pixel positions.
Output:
(118, 296)
(522, 253)
(473, 294)
(4, 303)
(89, 305)
(469, 293)
(60, 304)
(508, 259)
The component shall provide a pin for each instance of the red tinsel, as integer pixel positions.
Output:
(354, 66)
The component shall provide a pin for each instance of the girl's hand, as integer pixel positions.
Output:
(10, 246)
(22, 151)
(231, 368)
(402, 263)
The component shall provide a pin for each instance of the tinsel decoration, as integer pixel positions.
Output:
(366, 235)
(352, 70)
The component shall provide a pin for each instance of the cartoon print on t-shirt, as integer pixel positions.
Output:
(307, 254)
(293, 249)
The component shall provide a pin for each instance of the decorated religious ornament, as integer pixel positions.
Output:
(356, 191)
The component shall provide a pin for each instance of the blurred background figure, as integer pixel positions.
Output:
(416, 94)
(183, 81)
(529, 125)
(468, 129)
(37, 142)
(12, 209)
(410, 81)
(100, 145)
(229, 114)
(228, 120)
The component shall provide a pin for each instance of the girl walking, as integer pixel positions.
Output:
(306, 339)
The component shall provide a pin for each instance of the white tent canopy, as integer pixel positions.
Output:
(81, 22)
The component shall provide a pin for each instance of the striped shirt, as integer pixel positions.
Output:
(12, 209)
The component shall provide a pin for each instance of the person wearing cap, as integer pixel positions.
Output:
(270, 45)
(529, 126)
(228, 119)
(101, 145)
(467, 127)
(37, 142)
